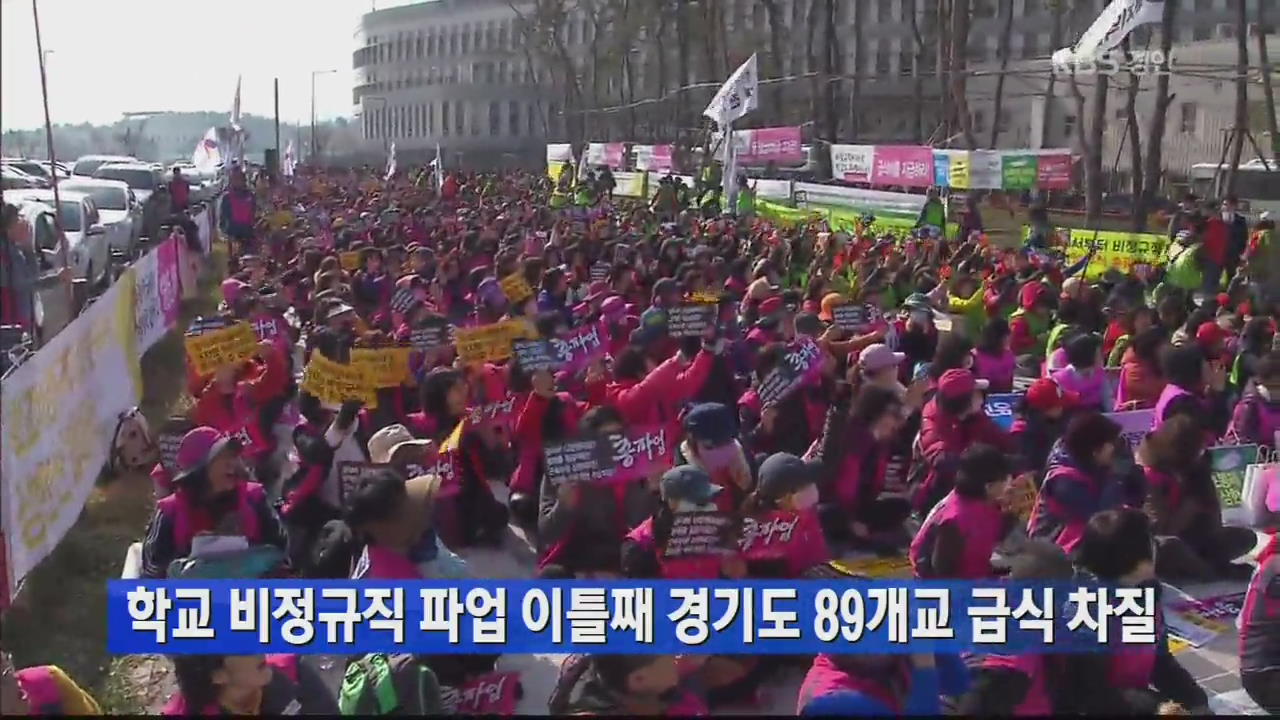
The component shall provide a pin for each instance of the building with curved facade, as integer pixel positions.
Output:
(450, 72)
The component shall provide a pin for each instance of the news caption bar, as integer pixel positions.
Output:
(637, 617)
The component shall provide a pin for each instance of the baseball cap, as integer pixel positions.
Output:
(710, 424)
(1046, 394)
(830, 302)
(783, 473)
(878, 356)
(958, 382)
(916, 301)
(690, 484)
(1209, 333)
(198, 448)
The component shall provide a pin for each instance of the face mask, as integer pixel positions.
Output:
(1227, 215)
(720, 457)
(806, 498)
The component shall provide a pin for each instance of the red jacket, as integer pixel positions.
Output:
(263, 380)
(1215, 240)
(657, 398)
(942, 438)
(529, 436)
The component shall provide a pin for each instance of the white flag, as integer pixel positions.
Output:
(391, 162)
(290, 162)
(235, 106)
(738, 96)
(208, 154)
(1111, 27)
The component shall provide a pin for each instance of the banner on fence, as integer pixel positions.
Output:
(60, 412)
(780, 145)
(157, 288)
(610, 154)
(653, 158)
(852, 163)
(1116, 249)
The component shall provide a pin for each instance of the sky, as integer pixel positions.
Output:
(110, 57)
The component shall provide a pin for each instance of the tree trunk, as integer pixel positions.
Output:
(943, 69)
(811, 61)
(1055, 41)
(830, 67)
(855, 96)
(959, 49)
(1267, 90)
(1006, 9)
(917, 80)
(1242, 99)
(658, 123)
(1152, 163)
(682, 39)
(1091, 145)
(1135, 142)
(775, 50)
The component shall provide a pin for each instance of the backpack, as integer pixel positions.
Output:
(382, 684)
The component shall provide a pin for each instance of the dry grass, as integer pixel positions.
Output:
(61, 616)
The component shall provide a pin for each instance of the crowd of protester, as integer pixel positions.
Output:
(882, 448)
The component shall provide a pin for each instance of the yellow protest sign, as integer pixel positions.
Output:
(488, 343)
(898, 568)
(350, 260)
(213, 349)
(388, 367)
(334, 383)
(1116, 249)
(706, 298)
(959, 170)
(516, 288)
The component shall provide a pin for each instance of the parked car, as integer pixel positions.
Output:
(89, 163)
(85, 236)
(53, 307)
(118, 207)
(11, 178)
(31, 167)
(148, 187)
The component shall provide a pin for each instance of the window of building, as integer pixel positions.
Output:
(431, 43)
(491, 37)
(904, 62)
(760, 19)
(1068, 125)
(502, 71)
(586, 31)
(1031, 7)
(502, 36)
(884, 10)
(465, 41)
(453, 41)
(978, 50)
(1204, 5)
(883, 62)
(531, 123)
(513, 118)
(460, 119)
(1187, 119)
(571, 33)
(444, 118)
(1201, 32)
(495, 119)
(419, 47)
(431, 119)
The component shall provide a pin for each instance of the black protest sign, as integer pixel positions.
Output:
(533, 355)
(580, 460)
(777, 384)
(404, 300)
(690, 319)
(698, 534)
(351, 474)
(850, 317)
(430, 335)
(170, 439)
(207, 324)
(600, 271)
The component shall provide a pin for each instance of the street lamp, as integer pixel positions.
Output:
(315, 147)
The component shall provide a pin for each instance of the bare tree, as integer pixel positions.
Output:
(1006, 30)
(1267, 92)
(917, 80)
(1091, 144)
(1131, 129)
(1159, 114)
(943, 73)
(778, 69)
(855, 96)
(1241, 127)
(959, 64)
(831, 61)
(1055, 42)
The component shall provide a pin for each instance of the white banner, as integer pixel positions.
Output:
(559, 153)
(60, 411)
(655, 158)
(986, 170)
(772, 189)
(630, 184)
(852, 163)
(738, 96)
(1113, 25)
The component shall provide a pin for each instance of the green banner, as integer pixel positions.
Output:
(1019, 172)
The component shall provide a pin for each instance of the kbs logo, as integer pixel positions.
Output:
(1115, 62)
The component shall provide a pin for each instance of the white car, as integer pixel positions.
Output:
(86, 237)
(148, 187)
(87, 164)
(119, 209)
(12, 178)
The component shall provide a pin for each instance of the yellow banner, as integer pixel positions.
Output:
(877, 567)
(489, 343)
(388, 367)
(1116, 249)
(350, 260)
(516, 288)
(959, 170)
(216, 348)
(334, 383)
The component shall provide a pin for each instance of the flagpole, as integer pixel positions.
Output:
(728, 183)
(53, 166)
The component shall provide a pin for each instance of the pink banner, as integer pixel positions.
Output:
(765, 145)
(170, 282)
(661, 159)
(1053, 172)
(613, 155)
(907, 165)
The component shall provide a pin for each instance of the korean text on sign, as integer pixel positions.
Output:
(211, 350)
(334, 383)
(238, 617)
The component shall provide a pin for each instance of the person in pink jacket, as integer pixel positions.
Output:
(653, 396)
(782, 536)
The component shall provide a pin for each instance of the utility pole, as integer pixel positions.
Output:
(315, 145)
(53, 161)
(277, 99)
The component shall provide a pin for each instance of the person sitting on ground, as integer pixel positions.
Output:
(262, 685)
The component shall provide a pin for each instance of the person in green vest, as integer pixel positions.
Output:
(586, 194)
(1029, 324)
(746, 206)
(933, 212)
(710, 204)
(966, 298)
